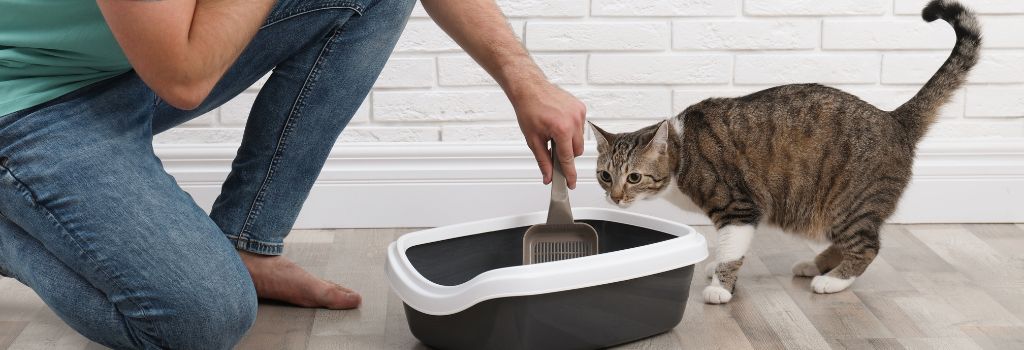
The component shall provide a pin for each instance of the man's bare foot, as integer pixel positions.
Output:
(277, 278)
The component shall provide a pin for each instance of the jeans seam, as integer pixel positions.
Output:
(305, 10)
(58, 224)
(19, 185)
(294, 115)
(3, 272)
(256, 246)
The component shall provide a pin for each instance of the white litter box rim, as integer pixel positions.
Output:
(688, 248)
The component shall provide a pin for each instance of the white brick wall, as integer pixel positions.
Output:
(747, 35)
(993, 7)
(636, 61)
(659, 69)
(816, 7)
(660, 8)
(413, 72)
(595, 36)
(828, 68)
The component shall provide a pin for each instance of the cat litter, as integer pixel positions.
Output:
(465, 286)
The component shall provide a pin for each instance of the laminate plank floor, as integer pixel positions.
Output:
(932, 287)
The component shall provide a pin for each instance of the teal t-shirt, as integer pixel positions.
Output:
(51, 47)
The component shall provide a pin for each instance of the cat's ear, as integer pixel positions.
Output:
(604, 138)
(659, 143)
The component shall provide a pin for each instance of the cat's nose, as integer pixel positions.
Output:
(616, 199)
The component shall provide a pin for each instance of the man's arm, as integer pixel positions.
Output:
(181, 48)
(545, 112)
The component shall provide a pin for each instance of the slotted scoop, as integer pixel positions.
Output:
(560, 238)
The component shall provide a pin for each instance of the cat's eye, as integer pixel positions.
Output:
(634, 178)
(605, 176)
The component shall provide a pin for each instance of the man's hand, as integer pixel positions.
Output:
(545, 112)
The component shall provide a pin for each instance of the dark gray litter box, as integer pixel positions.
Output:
(464, 286)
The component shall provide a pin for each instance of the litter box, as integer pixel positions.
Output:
(465, 287)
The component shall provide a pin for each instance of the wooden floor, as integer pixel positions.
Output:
(933, 287)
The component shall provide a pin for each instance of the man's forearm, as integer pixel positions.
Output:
(223, 28)
(544, 111)
(182, 48)
(481, 29)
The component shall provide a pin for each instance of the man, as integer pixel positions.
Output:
(91, 221)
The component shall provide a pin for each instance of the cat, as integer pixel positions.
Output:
(810, 159)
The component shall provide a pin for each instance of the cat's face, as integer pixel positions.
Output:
(634, 165)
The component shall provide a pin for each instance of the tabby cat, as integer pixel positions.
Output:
(811, 159)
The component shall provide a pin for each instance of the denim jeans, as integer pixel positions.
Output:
(90, 220)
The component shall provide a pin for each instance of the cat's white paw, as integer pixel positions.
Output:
(827, 284)
(805, 269)
(716, 295)
(709, 269)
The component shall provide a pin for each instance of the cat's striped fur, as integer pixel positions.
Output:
(813, 160)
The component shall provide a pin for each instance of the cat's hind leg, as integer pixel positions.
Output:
(733, 243)
(823, 263)
(858, 243)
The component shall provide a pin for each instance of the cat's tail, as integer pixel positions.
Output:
(921, 111)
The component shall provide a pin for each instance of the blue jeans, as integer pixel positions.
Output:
(90, 220)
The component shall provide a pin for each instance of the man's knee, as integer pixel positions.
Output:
(206, 312)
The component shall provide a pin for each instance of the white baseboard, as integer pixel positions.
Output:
(424, 185)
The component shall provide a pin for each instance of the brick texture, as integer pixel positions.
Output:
(585, 36)
(661, 8)
(807, 68)
(815, 7)
(660, 69)
(636, 62)
(749, 35)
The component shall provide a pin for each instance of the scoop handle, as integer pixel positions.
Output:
(559, 211)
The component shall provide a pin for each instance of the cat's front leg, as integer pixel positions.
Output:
(709, 268)
(733, 243)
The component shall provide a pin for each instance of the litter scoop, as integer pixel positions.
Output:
(560, 238)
